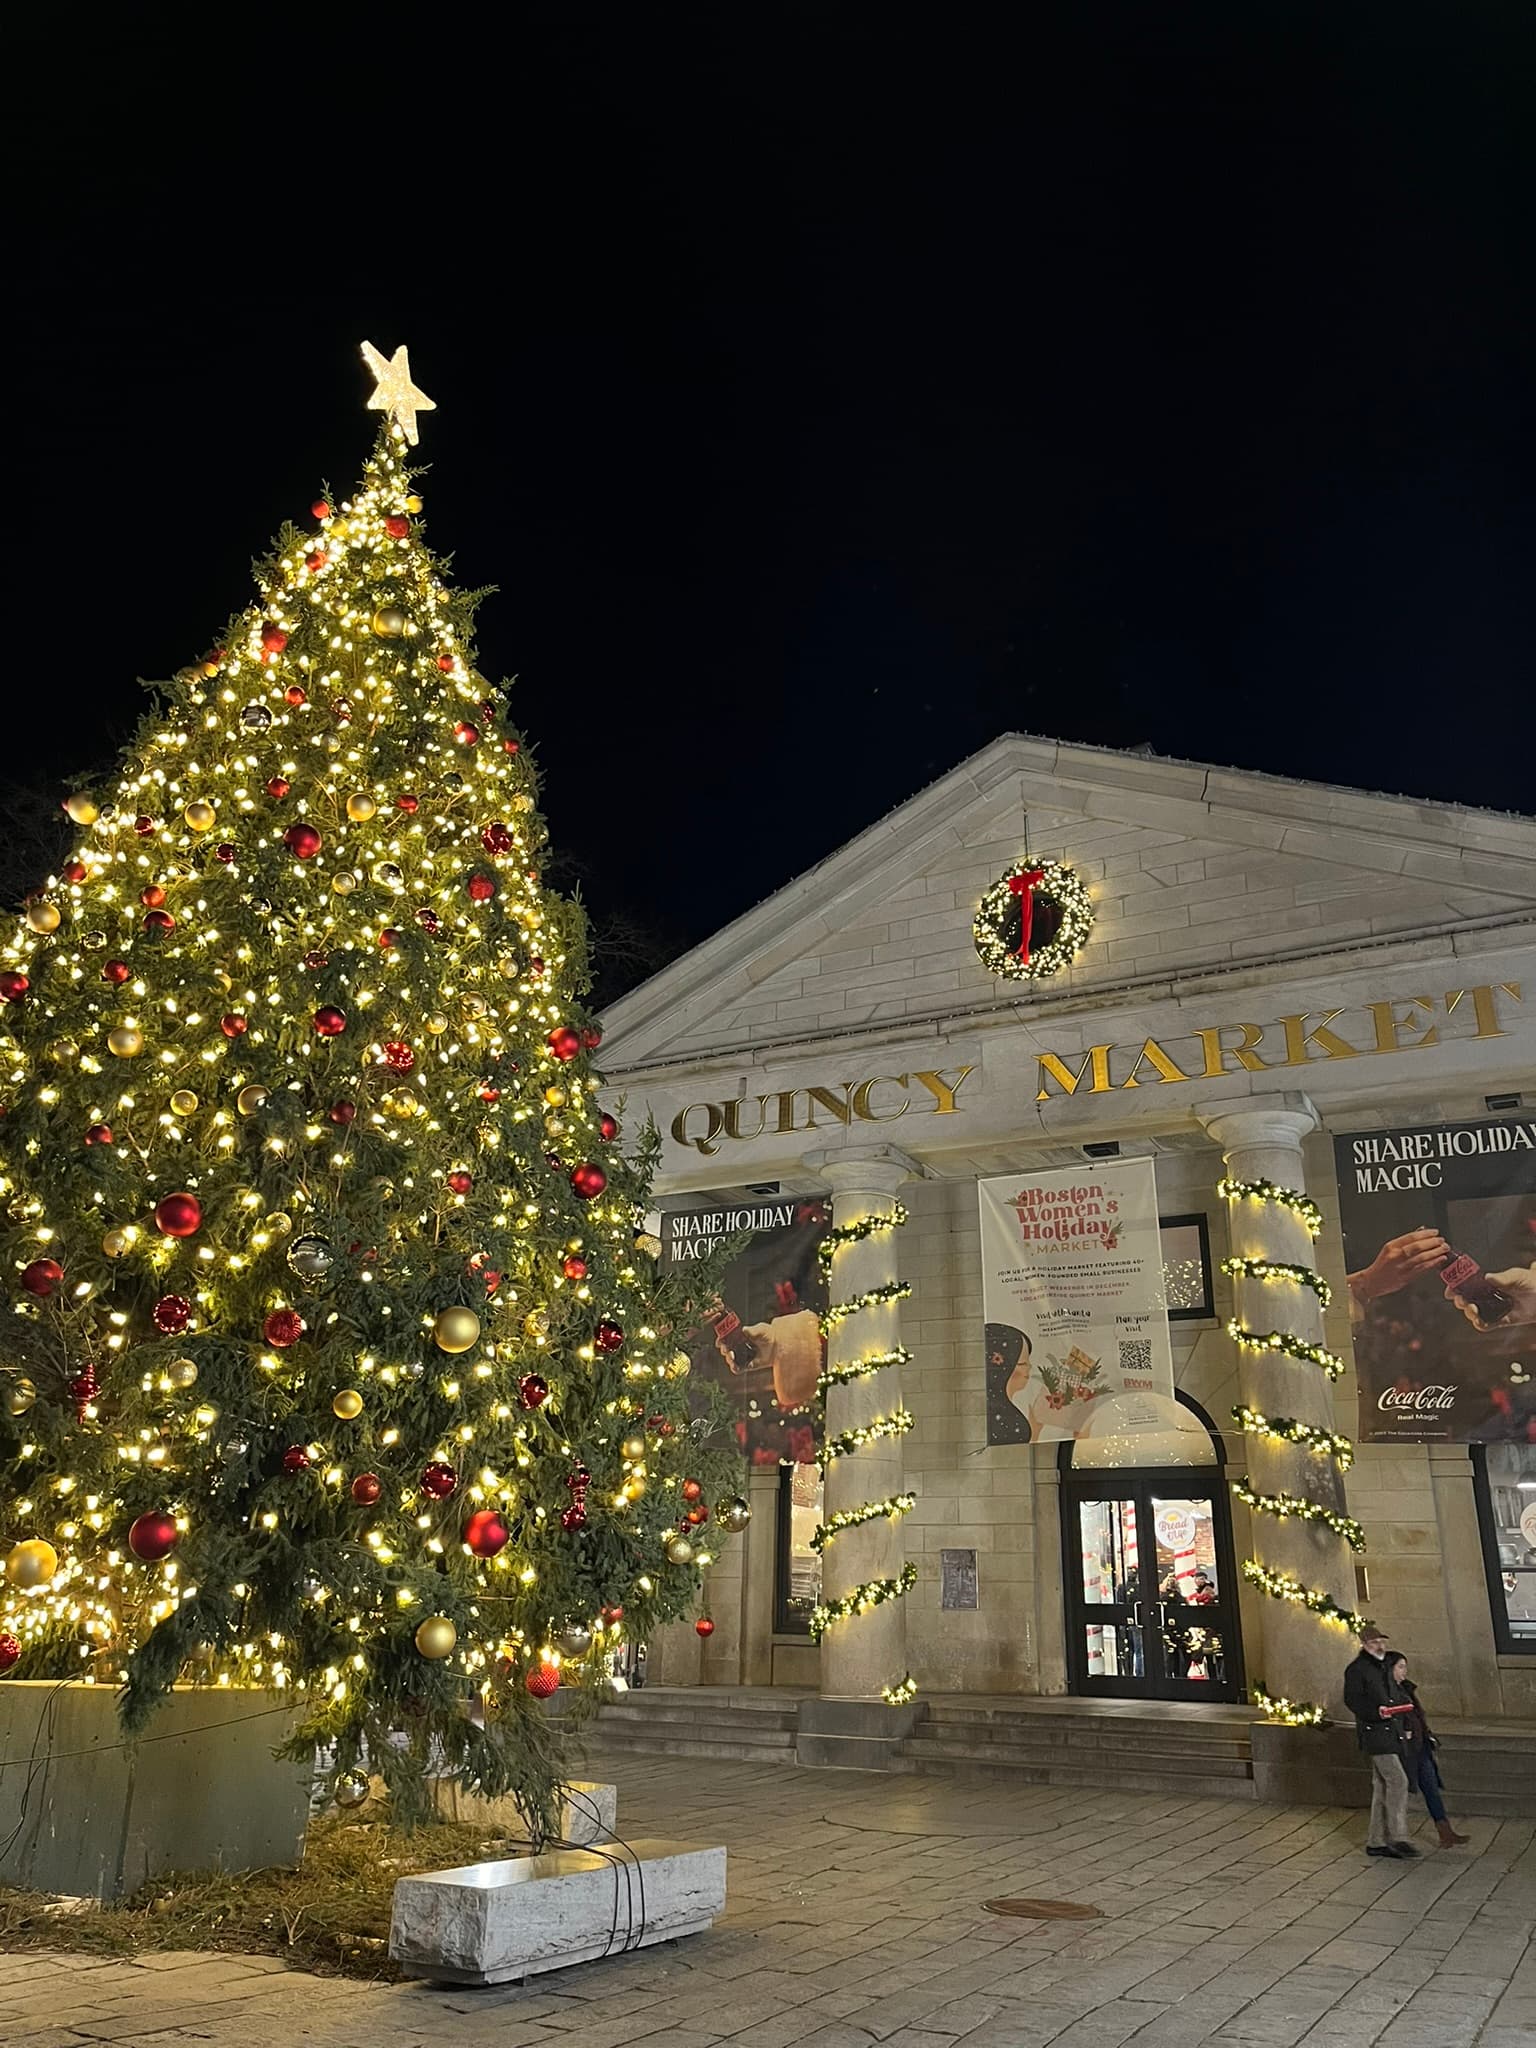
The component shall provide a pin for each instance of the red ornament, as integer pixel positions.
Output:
(409, 802)
(295, 1459)
(489, 1092)
(466, 734)
(696, 1517)
(10, 1652)
(564, 1043)
(75, 871)
(532, 1388)
(315, 559)
(152, 896)
(588, 1180)
(692, 1490)
(13, 986)
(438, 1480)
(542, 1681)
(296, 695)
(487, 709)
(284, 1326)
(224, 852)
(397, 526)
(152, 1537)
(341, 711)
(574, 1517)
(279, 787)
(460, 1181)
(172, 1313)
(496, 838)
(704, 1626)
(302, 841)
(608, 1336)
(536, 963)
(613, 1614)
(99, 1134)
(117, 972)
(342, 1112)
(592, 1037)
(83, 1389)
(330, 1022)
(398, 1056)
(143, 825)
(429, 920)
(366, 1488)
(179, 1215)
(481, 888)
(315, 961)
(608, 1126)
(159, 921)
(42, 1277)
(445, 663)
(573, 1268)
(486, 1533)
(273, 638)
(320, 509)
(389, 937)
(233, 1025)
(511, 746)
(492, 1280)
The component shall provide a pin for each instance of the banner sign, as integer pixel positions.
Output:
(762, 1344)
(1072, 1292)
(1439, 1228)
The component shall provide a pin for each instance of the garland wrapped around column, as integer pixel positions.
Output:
(1323, 1443)
(871, 1592)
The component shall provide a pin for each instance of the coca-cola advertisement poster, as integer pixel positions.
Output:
(762, 1343)
(1439, 1228)
(1073, 1296)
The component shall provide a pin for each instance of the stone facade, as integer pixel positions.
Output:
(1350, 960)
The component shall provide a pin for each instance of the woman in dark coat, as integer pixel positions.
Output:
(1419, 1761)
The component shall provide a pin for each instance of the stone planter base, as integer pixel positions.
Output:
(495, 1923)
(200, 1790)
(1309, 1766)
(588, 1813)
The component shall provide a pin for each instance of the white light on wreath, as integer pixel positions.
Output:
(1033, 921)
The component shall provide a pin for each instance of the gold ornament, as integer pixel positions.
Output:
(679, 1550)
(393, 391)
(182, 1373)
(250, 1098)
(522, 801)
(389, 622)
(680, 1366)
(65, 1051)
(633, 1448)
(437, 1026)
(116, 1242)
(555, 1096)
(413, 503)
(733, 1513)
(348, 1404)
(402, 1102)
(436, 1636)
(20, 1394)
(43, 917)
(536, 1323)
(554, 1127)
(475, 1005)
(200, 816)
(32, 1563)
(82, 809)
(360, 806)
(183, 1102)
(456, 1329)
(278, 1223)
(127, 1041)
(344, 882)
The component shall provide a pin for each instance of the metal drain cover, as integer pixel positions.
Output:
(1042, 1909)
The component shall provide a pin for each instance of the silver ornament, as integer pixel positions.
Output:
(311, 1587)
(414, 1369)
(255, 718)
(310, 1259)
(733, 1513)
(574, 1640)
(350, 1789)
(388, 875)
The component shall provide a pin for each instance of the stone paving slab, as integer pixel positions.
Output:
(855, 1920)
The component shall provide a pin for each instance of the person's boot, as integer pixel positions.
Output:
(1449, 1839)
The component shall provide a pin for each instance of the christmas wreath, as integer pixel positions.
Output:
(1033, 920)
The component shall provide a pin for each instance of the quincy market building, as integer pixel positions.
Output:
(1270, 964)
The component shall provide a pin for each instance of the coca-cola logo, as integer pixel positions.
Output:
(1417, 1398)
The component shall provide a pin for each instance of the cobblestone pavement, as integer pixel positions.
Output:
(856, 1917)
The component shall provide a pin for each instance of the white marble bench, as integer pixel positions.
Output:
(493, 1923)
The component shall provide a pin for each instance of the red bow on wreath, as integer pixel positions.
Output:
(1023, 886)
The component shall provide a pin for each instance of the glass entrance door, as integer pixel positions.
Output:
(1151, 1598)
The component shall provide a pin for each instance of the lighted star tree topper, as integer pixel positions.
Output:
(335, 1365)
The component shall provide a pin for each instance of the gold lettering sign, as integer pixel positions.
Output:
(879, 1100)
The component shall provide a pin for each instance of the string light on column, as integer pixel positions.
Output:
(1285, 1507)
(871, 1592)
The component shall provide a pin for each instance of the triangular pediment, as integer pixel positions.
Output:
(1192, 869)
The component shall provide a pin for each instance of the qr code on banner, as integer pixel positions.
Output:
(1135, 1355)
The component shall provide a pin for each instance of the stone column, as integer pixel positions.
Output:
(1464, 1580)
(1304, 1656)
(862, 1655)
(760, 1551)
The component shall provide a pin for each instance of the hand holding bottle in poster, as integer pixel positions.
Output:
(1517, 1285)
(1400, 1262)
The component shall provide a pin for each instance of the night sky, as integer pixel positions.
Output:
(827, 389)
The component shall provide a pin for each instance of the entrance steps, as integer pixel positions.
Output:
(1197, 1750)
(1489, 1767)
(743, 1723)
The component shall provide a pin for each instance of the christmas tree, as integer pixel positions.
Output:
(339, 1363)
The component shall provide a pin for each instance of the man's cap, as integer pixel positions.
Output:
(1370, 1633)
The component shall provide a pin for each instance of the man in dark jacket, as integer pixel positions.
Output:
(1381, 1709)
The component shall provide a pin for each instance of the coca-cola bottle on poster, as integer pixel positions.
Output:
(731, 1339)
(1465, 1278)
